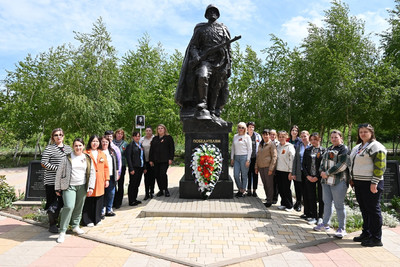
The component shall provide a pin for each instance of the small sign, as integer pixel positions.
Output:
(391, 186)
(35, 189)
(140, 121)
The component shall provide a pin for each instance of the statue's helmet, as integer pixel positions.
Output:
(209, 7)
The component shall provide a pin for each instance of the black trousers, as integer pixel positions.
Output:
(54, 202)
(370, 207)
(134, 183)
(252, 176)
(119, 189)
(160, 173)
(284, 189)
(299, 188)
(276, 188)
(312, 195)
(149, 179)
(92, 210)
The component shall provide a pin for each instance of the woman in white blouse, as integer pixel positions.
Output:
(240, 158)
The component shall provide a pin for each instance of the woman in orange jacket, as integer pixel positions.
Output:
(93, 207)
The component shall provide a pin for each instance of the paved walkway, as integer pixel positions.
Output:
(132, 240)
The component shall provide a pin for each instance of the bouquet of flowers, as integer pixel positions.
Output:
(206, 167)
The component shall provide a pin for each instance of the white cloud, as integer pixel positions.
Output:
(296, 29)
(375, 23)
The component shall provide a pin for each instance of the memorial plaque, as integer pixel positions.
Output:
(391, 180)
(35, 190)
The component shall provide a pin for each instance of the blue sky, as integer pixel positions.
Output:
(33, 26)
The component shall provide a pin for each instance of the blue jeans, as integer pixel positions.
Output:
(109, 194)
(239, 166)
(335, 193)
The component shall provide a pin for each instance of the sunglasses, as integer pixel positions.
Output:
(241, 128)
(58, 135)
(364, 125)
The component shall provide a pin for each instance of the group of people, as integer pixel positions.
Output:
(321, 176)
(84, 184)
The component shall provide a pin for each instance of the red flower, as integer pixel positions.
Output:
(199, 169)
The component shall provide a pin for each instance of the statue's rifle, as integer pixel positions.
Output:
(213, 49)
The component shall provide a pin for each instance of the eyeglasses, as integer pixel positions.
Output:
(58, 135)
(241, 128)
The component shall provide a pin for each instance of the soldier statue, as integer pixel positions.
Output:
(203, 84)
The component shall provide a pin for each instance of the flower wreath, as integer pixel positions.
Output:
(206, 167)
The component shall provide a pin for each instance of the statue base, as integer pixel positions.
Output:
(198, 132)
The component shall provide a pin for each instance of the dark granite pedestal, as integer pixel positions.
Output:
(198, 132)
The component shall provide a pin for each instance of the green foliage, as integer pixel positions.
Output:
(354, 219)
(336, 78)
(350, 200)
(396, 203)
(7, 194)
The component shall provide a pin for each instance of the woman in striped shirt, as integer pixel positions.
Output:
(51, 159)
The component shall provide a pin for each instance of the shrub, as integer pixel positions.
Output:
(7, 193)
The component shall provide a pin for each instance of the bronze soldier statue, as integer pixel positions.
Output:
(203, 87)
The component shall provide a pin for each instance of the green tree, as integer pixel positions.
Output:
(89, 88)
(30, 103)
(338, 59)
(391, 49)
(244, 87)
(147, 83)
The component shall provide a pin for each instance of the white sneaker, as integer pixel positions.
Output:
(321, 227)
(78, 230)
(311, 221)
(340, 233)
(319, 221)
(99, 223)
(90, 225)
(281, 207)
(61, 238)
(289, 210)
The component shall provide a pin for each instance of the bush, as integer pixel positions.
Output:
(7, 193)
(354, 219)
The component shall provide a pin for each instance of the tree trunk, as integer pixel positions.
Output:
(38, 141)
(37, 144)
(394, 142)
(343, 132)
(16, 151)
(20, 153)
(327, 139)
(349, 135)
(321, 132)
